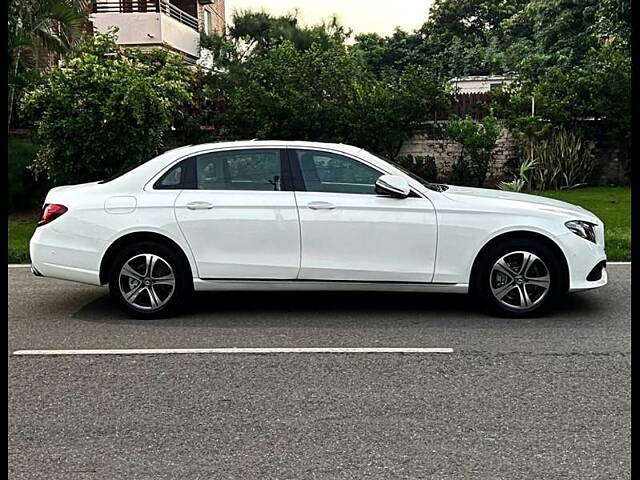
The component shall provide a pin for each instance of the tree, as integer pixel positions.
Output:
(613, 21)
(324, 94)
(37, 29)
(466, 37)
(574, 60)
(550, 34)
(388, 54)
(106, 109)
(254, 33)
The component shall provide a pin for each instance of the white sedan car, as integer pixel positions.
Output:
(282, 215)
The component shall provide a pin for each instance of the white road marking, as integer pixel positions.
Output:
(251, 351)
(618, 263)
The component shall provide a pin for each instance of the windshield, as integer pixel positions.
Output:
(431, 186)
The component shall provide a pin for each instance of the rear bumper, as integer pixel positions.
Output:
(55, 255)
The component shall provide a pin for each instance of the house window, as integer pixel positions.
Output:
(207, 22)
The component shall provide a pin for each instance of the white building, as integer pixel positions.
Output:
(480, 83)
(172, 24)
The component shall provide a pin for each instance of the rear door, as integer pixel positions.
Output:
(349, 232)
(239, 216)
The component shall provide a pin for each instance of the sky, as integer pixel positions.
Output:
(362, 16)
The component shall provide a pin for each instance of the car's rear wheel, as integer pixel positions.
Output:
(520, 278)
(148, 280)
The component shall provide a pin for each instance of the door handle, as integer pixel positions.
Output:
(321, 206)
(199, 206)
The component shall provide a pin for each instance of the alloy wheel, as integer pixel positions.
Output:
(520, 280)
(147, 282)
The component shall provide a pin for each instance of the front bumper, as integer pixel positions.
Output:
(582, 258)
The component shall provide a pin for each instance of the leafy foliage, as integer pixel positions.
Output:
(324, 93)
(478, 139)
(562, 160)
(467, 37)
(254, 33)
(573, 58)
(522, 180)
(461, 37)
(105, 110)
(37, 30)
(550, 34)
(388, 54)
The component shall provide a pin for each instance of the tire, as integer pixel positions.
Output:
(142, 294)
(504, 289)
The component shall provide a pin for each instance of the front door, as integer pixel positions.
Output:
(350, 233)
(238, 219)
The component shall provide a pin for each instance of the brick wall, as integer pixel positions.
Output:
(431, 142)
(446, 152)
(217, 10)
(613, 165)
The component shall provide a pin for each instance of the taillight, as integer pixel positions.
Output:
(50, 212)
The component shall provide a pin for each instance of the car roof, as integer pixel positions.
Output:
(337, 147)
(271, 143)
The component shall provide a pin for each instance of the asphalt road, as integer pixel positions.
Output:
(539, 398)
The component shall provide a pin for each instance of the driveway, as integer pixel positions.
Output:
(536, 398)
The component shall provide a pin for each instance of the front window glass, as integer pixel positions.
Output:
(329, 172)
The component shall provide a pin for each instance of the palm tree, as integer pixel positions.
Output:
(38, 29)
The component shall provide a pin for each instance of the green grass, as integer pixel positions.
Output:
(21, 227)
(613, 206)
(23, 194)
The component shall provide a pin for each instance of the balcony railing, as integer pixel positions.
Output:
(144, 6)
(126, 6)
(180, 15)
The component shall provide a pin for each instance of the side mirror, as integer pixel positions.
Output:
(392, 186)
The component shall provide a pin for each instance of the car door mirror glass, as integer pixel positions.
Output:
(393, 186)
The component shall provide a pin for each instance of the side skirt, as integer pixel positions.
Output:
(203, 285)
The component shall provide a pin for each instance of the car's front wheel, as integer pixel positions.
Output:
(148, 280)
(520, 278)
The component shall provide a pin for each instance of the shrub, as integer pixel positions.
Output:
(105, 110)
(562, 159)
(522, 180)
(478, 139)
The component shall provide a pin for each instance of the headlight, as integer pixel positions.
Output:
(582, 229)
